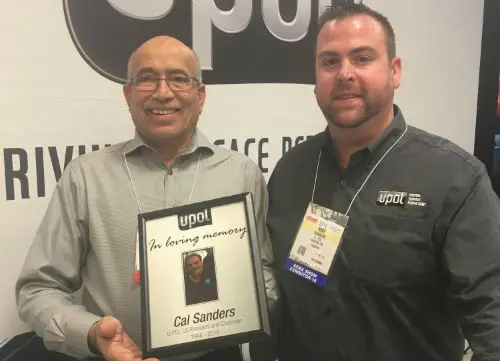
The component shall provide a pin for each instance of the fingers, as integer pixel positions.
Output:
(131, 345)
(114, 342)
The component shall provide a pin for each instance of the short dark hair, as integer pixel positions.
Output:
(189, 256)
(342, 9)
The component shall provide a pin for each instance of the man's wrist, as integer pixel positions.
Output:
(92, 339)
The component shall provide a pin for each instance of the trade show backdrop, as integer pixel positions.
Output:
(63, 63)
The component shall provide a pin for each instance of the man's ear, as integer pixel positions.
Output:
(127, 93)
(397, 69)
(202, 94)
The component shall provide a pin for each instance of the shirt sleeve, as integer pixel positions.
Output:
(471, 253)
(260, 197)
(51, 273)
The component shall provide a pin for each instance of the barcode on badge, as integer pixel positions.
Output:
(301, 250)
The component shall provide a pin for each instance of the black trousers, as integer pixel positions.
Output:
(230, 354)
(223, 354)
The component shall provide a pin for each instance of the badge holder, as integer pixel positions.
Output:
(316, 244)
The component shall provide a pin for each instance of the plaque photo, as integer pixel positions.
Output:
(202, 284)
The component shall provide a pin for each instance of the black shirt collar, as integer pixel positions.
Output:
(376, 147)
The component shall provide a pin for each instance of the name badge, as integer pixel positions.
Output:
(316, 244)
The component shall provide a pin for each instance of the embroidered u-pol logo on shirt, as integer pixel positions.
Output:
(400, 199)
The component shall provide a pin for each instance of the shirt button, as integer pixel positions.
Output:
(343, 183)
(170, 172)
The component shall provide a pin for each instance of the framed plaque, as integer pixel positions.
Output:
(202, 284)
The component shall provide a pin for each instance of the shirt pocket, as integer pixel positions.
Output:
(390, 251)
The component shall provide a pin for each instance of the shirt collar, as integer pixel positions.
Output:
(394, 129)
(197, 141)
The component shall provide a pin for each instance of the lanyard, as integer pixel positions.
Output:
(137, 264)
(367, 177)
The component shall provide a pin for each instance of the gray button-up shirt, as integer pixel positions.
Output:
(87, 238)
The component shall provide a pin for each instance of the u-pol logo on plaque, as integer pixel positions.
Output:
(193, 220)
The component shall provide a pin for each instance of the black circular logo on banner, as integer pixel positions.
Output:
(237, 41)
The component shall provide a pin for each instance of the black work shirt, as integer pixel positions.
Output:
(409, 280)
(203, 291)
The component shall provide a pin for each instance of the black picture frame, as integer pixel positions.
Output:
(195, 338)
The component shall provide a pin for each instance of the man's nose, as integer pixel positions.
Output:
(346, 71)
(163, 91)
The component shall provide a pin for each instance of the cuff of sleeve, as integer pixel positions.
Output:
(77, 333)
(271, 287)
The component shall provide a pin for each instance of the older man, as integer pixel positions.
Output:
(87, 238)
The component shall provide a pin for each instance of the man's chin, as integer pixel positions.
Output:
(345, 118)
(168, 133)
(347, 123)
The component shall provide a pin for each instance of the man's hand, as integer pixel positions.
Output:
(108, 337)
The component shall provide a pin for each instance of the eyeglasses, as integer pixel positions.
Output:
(149, 83)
